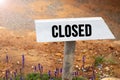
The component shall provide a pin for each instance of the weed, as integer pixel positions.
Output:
(98, 60)
(33, 76)
(80, 78)
(110, 61)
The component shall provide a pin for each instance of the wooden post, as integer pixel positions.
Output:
(69, 49)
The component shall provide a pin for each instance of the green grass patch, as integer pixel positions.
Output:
(80, 78)
(37, 76)
(98, 60)
(110, 61)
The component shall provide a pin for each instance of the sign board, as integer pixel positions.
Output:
(72, 29)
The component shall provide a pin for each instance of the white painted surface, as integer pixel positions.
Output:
(99, 29)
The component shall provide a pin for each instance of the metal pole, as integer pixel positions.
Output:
(69, 49)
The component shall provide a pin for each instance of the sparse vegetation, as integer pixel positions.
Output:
(37, 76)
(110, 61)
(80, 78)
(98, 60)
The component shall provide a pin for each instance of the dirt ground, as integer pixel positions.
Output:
(17, 34)
(50, 55)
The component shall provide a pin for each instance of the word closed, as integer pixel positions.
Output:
(71, 29)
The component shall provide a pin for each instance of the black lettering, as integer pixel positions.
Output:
(88, 30)
(54, 31)
(67, 30)
(75, 32)
(81, 30)
(60, 31)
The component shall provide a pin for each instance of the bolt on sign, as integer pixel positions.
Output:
(72, 29)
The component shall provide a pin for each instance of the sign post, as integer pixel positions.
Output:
(70, 30)
(69, 49)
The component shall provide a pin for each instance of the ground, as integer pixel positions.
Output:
(17, 34)
(50, 55)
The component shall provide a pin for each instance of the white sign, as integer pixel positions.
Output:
(72, 29)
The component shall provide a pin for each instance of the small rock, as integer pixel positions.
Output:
(105, 49)
(111, 66)
(45, 55)
(119, 57)
(106, 75)
(84, 51)
(32, 67)
(100, 66)
(101, 71)
(78, 59)
(95, 71)
(59, 60)
(18, 62)
(3, 72)
(45, 43)
(84, 70)
(11, 72)
(51, 58)
(107, 68)
(58, 54)
(87, 65)
(96, 53)
(77, 66)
